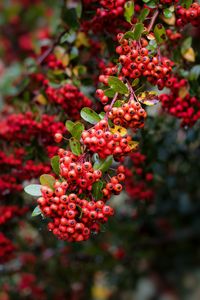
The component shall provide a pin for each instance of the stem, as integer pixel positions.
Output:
(50, 49)
(155, 15)
(111, 105)
(133, 95)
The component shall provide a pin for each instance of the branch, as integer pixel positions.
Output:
(154, 17)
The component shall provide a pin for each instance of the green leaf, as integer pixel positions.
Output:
(139, 28)
(69, 16)
(129, 10)
(135, 82)
(109, 93)
(33, 190)
(186, 3)
(104, 164)
(129, 35)
(146, 1)
(167, 13)
(117, 85)
(144, 13)
(55, 164)
(151, 4)
(160, 33)
(69, 125)
(102, 115)
(77, 130)
(118, 103)
(47, 180)
(36, 212)
(90, 115)
(187, 43)
(194, 73)
(75, 146)
(97, 190)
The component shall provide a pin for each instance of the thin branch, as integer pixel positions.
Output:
(154, 17)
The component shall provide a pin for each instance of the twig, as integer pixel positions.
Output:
(155, 15)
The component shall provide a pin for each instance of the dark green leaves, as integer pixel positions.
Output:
(117, 85)
(47, 180)
(75, 146)
(89, 115)
(33, 190)
(128, 10)
(36, 212)
(103, 165)
(97, 190)
(160, 33)
(144, 13)
(75, 129)
(55, 164)
(69, 16)
(136, 34)
(109, 93)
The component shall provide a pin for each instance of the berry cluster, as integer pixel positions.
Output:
(188, 15)
(129, 115)
(173, 36)
(100, 140)
(73, 219)
(114, 185)
(138, 179)
(136, 61)
(183, 106)
(69, 98)
(53, 63)
(79, 175)
(9, 212)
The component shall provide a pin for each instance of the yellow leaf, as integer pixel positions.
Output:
(133, 145)
(148, 98)
(118, 129)
(151, 36)
(65, 60)
(81, 40)
(189, 54)
(59, 52)
(170, 21)
(183, 91)
(41, 99)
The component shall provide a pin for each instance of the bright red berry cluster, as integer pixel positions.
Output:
(188, 15)
(101, 140)
(185, 107)
(69, 98)
(73, 219)
(53, 63)
(129, 115)
(79, 175)
(9, 212)
(136, 61)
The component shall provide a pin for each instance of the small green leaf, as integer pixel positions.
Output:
(77, 130)
(151, 4)
(36, 212)
(167, 13)
(144, 13)
(146, 1)
(138, 30)
(186, 3)
(194, 73)
(33, 190)
(135, 82)
(90, 115)
(69, 125)
(55, 164)
(104, 164)
(160, 33)
(118, 103)
(75, 146)
(47, 180)
(129, 35)
(102, 115)
(109, 93)
(187, 43)
(97, 190)
(129, 10)
(117, 85)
